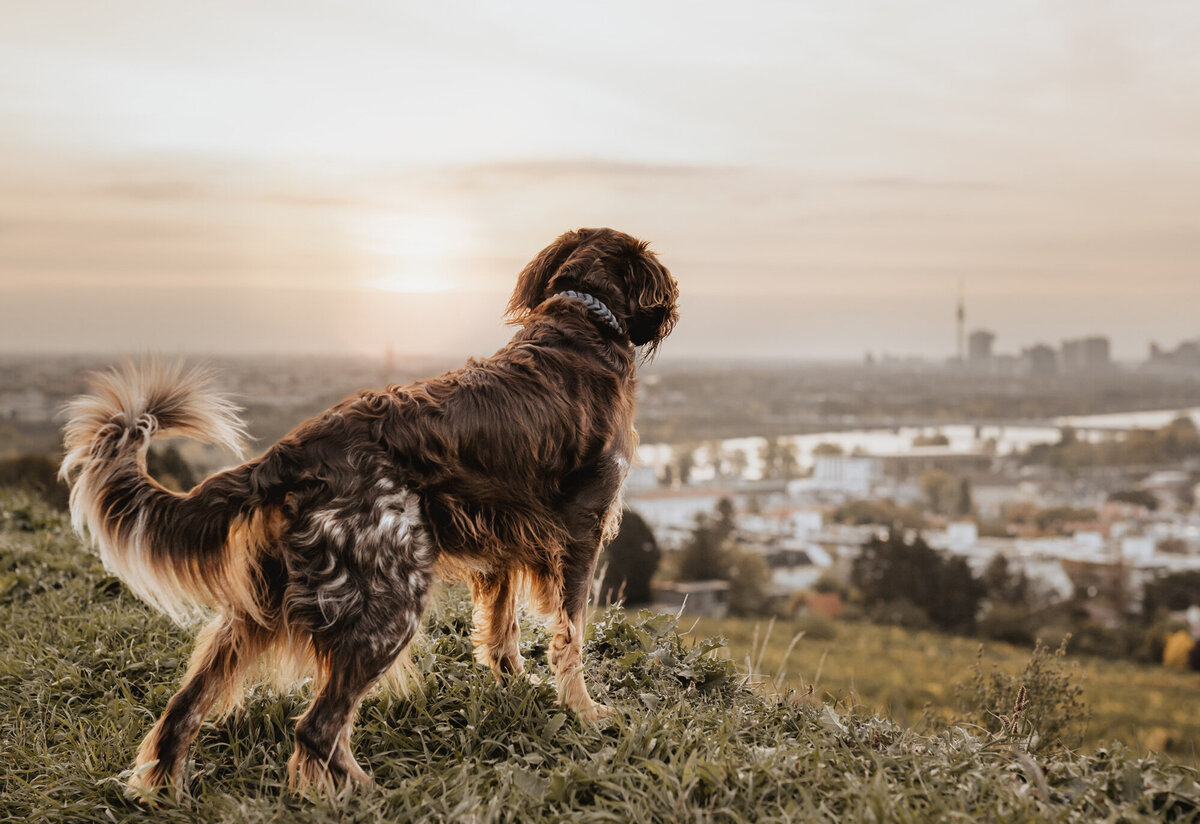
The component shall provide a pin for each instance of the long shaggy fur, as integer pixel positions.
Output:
(319, 554)
(137, 524)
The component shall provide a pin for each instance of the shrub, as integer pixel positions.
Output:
(1154, 640)
(1041, 707)
(816, 627)
(37, 474)
(1137, 497)
(749, 582)
(883, 512)
(1090, 638)
(899, 612)
(1011, 623)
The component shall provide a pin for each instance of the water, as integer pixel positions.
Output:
(1003, 440)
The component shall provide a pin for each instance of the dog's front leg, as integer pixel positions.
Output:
(565, 602)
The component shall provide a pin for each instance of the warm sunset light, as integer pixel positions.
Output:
(411, 282)
(852, 369)
(415, 252)
(824, 174)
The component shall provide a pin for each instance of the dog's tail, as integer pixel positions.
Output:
(178, 552)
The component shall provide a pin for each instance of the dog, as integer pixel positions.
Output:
(505, 473)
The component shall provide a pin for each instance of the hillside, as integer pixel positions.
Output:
(84, 668)
(905, 673)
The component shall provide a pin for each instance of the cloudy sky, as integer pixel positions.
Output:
(820, 176)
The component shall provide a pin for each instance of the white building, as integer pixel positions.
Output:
(852, 474)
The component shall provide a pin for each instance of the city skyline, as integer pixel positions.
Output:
(820, 178)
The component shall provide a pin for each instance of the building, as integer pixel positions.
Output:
(1041, 361)
(979, 348)
(1088, 354)
(671, 513)
(853, 474)
(1184, 356)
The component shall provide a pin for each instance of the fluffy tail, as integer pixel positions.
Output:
(177, 552)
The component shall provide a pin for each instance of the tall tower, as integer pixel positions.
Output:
(962, 322)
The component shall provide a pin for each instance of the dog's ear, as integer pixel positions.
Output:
(534, 280)
(652, 295)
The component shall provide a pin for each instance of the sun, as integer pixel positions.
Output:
(412, 253)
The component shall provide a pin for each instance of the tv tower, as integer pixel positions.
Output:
(962, 320)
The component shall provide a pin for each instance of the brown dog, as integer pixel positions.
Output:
(505, 472)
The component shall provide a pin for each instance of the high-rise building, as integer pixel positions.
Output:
(1186, 355)
(979, 347)
(1041, 361)
(1088, 354)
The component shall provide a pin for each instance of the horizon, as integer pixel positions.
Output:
(341, 179)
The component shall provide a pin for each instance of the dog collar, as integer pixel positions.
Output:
(596, 307)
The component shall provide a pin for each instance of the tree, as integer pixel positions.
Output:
(779, 458)
(685, 462)
(629, 562)
(749, 581)
(1001, 585)
(891, 569)
(1170, 593)
(736, 462)
(965, 505)
(789, 462)
(703, 557)
(1056, 518)
(940, 491)
(882, 511)
(1137, 497)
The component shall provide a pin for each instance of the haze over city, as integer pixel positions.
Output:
(345, 178)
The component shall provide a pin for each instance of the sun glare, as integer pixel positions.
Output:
(411, 282)
(412, 252)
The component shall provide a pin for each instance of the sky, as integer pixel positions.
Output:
(349, 177)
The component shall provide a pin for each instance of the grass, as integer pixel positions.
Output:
(907, 674)
(84, 669)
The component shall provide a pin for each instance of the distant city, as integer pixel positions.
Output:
(1090, 354)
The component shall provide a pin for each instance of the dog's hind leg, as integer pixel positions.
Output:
(322, 758)
(224, 650)
(495, 632)
(349, 663)
(358, 587)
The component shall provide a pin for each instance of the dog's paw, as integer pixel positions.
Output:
(146, 784)
(596, 714)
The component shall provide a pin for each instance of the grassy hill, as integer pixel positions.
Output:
(910, 674)
(84, 668)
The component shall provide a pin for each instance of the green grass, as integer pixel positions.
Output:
(900, 672)
(85, 668)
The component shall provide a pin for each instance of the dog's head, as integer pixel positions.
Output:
(616, 268)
